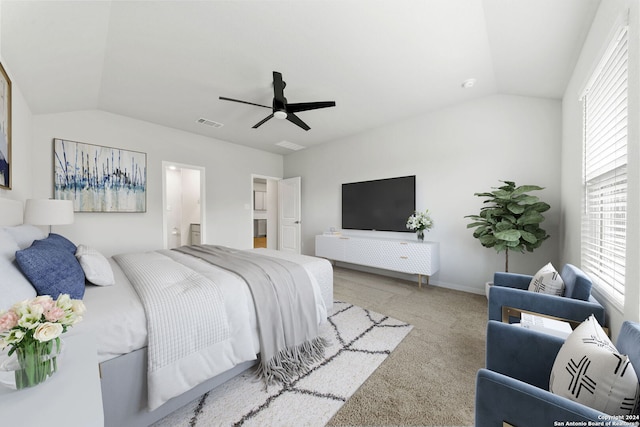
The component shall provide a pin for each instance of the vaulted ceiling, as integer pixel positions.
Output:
(168, 62)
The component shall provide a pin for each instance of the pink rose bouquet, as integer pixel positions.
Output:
(32, 330)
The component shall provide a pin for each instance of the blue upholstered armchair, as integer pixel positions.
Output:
(510, 290)
(514, 386)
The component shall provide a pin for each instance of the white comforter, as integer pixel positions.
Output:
(116, 316)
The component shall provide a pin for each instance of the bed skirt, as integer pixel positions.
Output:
(124, 390)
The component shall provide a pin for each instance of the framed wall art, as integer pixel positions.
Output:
(99, 179)
(5, 129)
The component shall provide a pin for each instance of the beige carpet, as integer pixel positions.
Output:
(429, 380)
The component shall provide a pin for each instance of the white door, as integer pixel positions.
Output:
(289, 229)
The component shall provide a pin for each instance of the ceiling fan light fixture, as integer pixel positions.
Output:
(281, 109)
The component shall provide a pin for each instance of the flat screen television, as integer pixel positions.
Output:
(382, 205)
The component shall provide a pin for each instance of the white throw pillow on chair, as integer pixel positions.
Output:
(547, 281)
(589, 370)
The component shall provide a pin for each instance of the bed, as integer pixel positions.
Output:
(117, 317)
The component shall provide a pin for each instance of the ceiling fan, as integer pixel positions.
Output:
(281, 109)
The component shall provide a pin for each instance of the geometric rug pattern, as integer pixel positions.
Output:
(359, 341)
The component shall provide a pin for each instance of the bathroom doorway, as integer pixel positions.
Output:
(265, 212)
(183, 201)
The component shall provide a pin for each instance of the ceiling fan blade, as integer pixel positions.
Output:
(278, 90)
(263, 121)
(224, 98)
(296, 120)
(305, 106)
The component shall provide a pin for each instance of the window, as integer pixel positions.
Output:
(605, 172)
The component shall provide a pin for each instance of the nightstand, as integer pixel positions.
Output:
(72, 397)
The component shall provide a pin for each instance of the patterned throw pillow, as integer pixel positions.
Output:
(547, 281)
(588, 369)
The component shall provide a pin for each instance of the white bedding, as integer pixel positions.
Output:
(116, 316)
(176, 365)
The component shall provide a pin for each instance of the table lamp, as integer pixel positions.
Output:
(48, 212)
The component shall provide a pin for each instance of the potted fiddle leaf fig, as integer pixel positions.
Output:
(510, 219)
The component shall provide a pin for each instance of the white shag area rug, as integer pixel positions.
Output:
(360, 340)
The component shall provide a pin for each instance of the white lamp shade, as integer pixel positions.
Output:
(48, 212)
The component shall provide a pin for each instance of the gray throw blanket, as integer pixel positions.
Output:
(285, 309)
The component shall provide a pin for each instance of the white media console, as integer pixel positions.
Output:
(406, 256)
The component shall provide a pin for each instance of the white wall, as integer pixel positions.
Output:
(454, 153)
(598, 39)
(228, 178)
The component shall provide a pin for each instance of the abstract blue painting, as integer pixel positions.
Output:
(99, 179)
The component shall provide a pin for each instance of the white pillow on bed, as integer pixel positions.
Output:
(25, 234)
(8, 245)
(96, 267)
(14, 286)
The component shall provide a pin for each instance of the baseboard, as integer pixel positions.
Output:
(410, 277)
(461, 288)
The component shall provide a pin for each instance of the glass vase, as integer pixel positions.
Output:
(32, 363)
(420, 235)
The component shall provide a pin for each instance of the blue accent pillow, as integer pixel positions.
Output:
(52, 269)
(60, 242)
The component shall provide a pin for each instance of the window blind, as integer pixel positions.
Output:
(605, 173)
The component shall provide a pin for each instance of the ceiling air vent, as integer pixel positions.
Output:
(290, 145)
(209, 123)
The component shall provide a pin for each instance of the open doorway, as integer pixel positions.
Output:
(265, 212)
(183, 201)
(276, 219)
